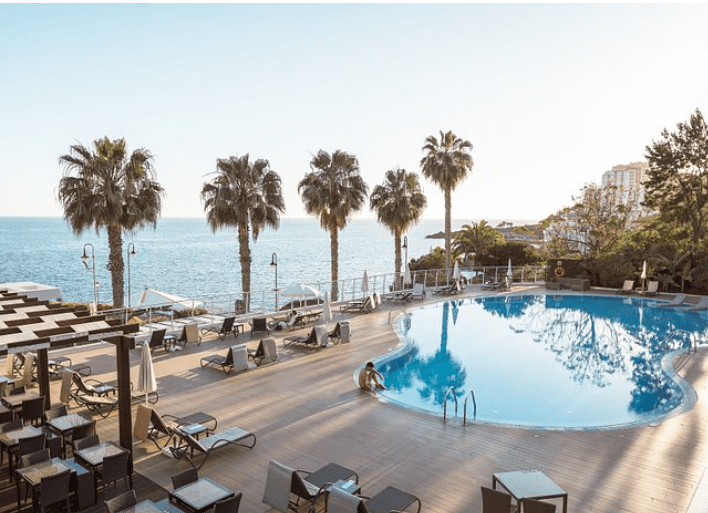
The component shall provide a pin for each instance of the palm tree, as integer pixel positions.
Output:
(246, 195)
(333, 191)
(476, 238)
(399, 203)
(446, 164)
(107, 188)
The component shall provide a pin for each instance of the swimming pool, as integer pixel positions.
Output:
(551, 361)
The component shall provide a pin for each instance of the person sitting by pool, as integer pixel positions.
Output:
(369, 378)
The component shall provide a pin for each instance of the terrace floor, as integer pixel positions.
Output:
(307, 411)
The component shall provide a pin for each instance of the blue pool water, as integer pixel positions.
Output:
(554, 361)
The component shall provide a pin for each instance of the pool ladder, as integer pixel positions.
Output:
(694, 342)
(454, 396)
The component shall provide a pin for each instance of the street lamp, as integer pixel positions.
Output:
(131, 252)
(274, 265)
(84, 259)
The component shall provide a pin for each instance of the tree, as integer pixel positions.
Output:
(475, 238)
(447, 163)
(399, 203)
(593, 226)
(677, 183)
(333, 191)
(105, 187)
(246, 195)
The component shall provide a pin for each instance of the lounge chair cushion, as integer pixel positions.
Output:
(240, 357)
(340, 501)
(277, 488)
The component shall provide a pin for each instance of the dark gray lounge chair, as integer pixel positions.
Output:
(226, 327)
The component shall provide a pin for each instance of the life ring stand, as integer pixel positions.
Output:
(559, 272)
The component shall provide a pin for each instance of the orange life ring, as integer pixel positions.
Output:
(559, 272)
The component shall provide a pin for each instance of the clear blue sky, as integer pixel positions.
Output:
(551, 96)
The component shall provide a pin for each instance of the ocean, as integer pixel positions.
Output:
(183, 256)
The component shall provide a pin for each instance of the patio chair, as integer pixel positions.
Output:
(419, 290)
(53, 413)
(226, 327)
(33, 411)
(387, 500)
(187, 445)
(228, 505)
(701, 305)
(496, 501)
(184, 478)
(114, 469)
(55, 490)
(236, 359)
(121, 502)
(679, 300)
(266, 352)
(627, 287)
(80, 433)
(259, 325)
(190, 333)
(157, 340)
(534, 506)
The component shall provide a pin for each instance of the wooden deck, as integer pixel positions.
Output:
(306, 411)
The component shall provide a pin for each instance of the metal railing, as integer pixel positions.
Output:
(261, 302)
(454, 396)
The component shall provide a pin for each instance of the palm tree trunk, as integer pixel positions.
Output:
(115, 261)
(397, 258)
(244, 253)
(334, 255)
(448, 231)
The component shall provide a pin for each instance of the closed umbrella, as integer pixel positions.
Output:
(146, 373)
(365, 283)
(326, 309)
(644, 274)
(456, 271)
(509, 276)
(407, 279)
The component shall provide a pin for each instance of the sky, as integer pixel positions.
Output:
(550, 95)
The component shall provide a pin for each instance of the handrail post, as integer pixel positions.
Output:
(454, 396)
(474, 402)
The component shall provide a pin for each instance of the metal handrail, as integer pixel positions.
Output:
(474, 402)
(692, 336)
(454, 396)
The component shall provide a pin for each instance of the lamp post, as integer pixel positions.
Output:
(131, 252)
(84, 259)
(274, 265)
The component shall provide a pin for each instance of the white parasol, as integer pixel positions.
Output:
(644, 274)
(407, 279)
(300, 291)
(152, 297)
(146, 373)
(509, 276)
(365, 283)
(456, 271)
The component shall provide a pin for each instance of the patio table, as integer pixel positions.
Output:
(200, 495)
(146, 506)
(92, 457)
(11, 439)
(65, 425)
(331, 473)
(391, 497)
(14, 402)
(33, 475)
(529, 484)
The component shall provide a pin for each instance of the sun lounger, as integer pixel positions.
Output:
(157, 339)
(627, 287)
(283, 481)
(226, 327)
(455, 288)
(652, 289)
(497, 285)
(190, 333)
(701, 305)
(236, 359)
(679, 300)
(335, 334)
(150, 425)
(266, 352)
(418, 291)
(365, 306)
(387, 500)
(187, 445)
(316, 338)
(259, 325)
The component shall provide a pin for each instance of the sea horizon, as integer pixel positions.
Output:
(183, 256)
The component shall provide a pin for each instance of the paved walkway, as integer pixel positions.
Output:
(307, 411)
